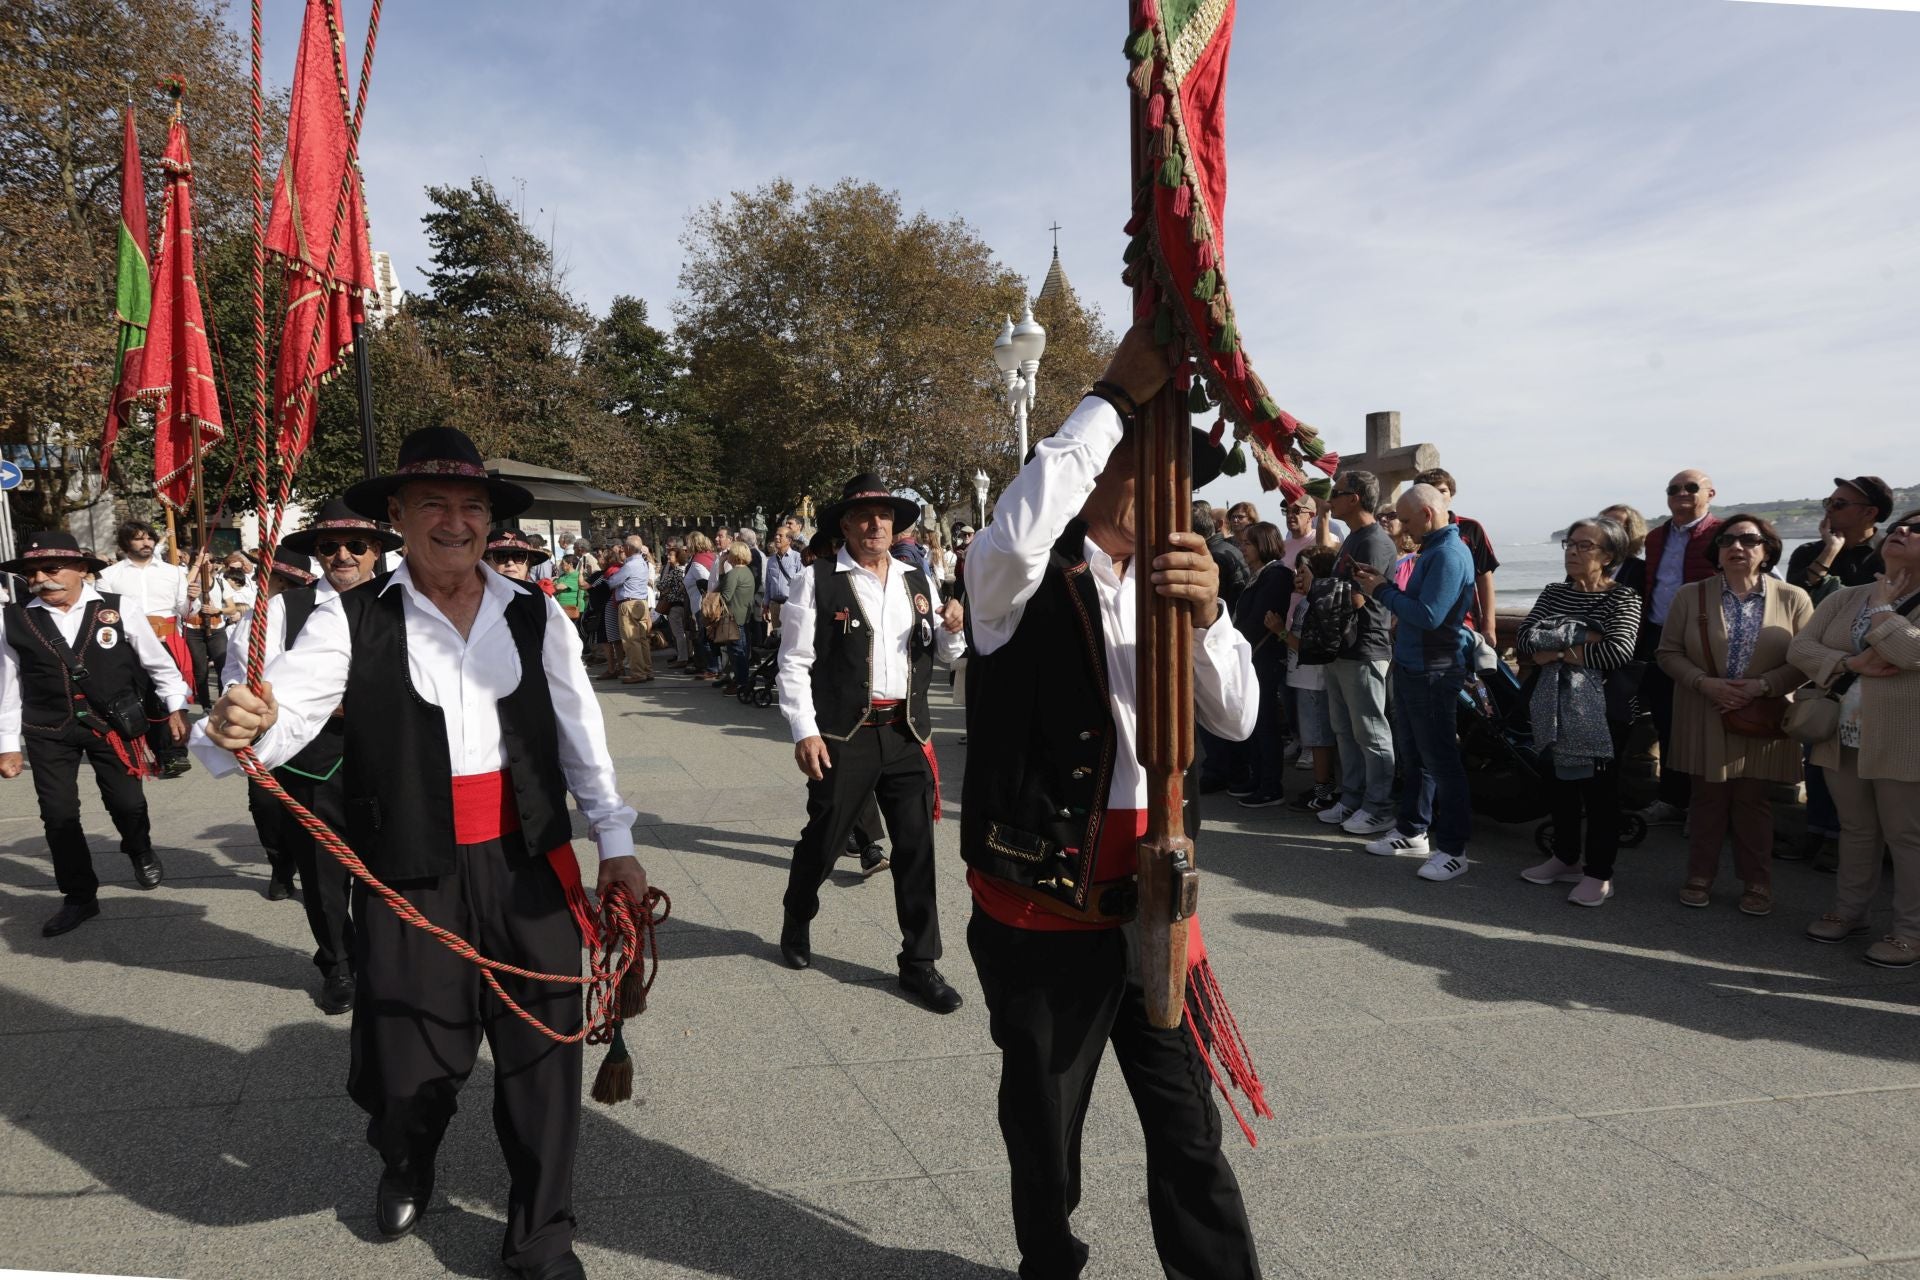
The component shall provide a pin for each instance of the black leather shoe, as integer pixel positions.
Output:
(279, 890)
(336, 994)
(796, 943)
(925, 983)
(69, 918)
(874, 860)
(400, 1199)
(565, 1267)
(147, 871)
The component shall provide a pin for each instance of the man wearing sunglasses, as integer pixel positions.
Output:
(1842, 556)
(1672, 562)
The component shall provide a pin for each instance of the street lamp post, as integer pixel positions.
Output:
(980, 497)
(1017, 351)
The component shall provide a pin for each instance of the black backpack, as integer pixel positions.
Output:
(1331, 624)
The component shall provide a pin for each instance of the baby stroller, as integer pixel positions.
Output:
(763, 661)
(1506, 776)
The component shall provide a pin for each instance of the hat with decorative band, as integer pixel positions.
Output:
(438, 453)
(514, 541)
(50, 547)
(344, 524)
(864, 488)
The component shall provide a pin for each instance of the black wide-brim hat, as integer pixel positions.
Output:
(514, 540)
(869, 488)
(437, 453)
(341, 520)
(296, 567)
(50, 547)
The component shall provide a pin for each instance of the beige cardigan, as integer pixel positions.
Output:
(1700, 745)
(1889, 705)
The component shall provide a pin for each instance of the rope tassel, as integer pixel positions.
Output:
(613, 1084)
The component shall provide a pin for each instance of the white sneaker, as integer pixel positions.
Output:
(1662, 814)
(1363, 823)
(1338, 814)
(1443, 866)
(1394, 843)
(1306, 759)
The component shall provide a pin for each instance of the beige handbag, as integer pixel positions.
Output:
(1814, 716)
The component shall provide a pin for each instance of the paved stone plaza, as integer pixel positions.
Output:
(1471, 1079)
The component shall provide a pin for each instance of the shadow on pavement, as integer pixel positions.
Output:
(270, 1160)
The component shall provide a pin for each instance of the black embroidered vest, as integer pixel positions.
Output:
(399, 797)
(48, 696)
(1040, 740)
(843, 638)
(319, 759)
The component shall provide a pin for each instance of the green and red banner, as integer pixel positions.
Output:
(1176, 260)
(133, 294)
(177, 366)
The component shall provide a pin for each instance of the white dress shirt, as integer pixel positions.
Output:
(153, 588)
(465, 677)
(240, 638)
(137, 632)
(1008, 559)
(887, 607)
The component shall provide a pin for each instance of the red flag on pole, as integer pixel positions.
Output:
(176, 371)
(319, 238)
(133, 298)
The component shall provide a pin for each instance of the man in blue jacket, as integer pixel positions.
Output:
(1429, 669)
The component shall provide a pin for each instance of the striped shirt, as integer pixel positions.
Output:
(1614, 614)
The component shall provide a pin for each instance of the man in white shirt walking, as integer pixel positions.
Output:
(69, 669)
(167, 595)
(468, 721)
(858, 639)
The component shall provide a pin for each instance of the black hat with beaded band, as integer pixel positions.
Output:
(438, 453)
(292, 567)
(514, 541)
(343, 523)
(863, 488)
(50, 547)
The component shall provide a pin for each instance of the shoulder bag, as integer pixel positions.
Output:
(125, 713)
(1760, 718)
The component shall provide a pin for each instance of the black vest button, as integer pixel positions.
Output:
(1083, 772)
(1064, 813)
(1086, 735)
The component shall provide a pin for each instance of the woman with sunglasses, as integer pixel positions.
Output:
(1724, 647)
(1864, 643)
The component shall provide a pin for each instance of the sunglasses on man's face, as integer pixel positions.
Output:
(1675, 490)
(1841, 504)
(355, 547)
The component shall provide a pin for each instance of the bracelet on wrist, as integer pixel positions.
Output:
(1116, 395)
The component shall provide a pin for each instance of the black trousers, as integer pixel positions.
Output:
(209, 652)
(1656, 694)
(420, 1012)
(885, 764)
(55, 757)
(1054, 1001)
(270, 822)
(867, 829)
(324, 883)
(1593, 802)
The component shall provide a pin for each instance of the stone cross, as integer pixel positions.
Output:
(1392, 462)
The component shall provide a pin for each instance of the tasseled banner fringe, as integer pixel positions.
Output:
(1203, 256)
(1140, 44)
(1141, 77)
(1217, 1036)
(1218, 431)
(1197, 402)
(1329, 463)
(1183, 201)
(614, 1082)
(1235, 462)
(1146, 13)
(1156, 110)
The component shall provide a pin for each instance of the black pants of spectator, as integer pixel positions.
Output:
(1586, 813)
(885, 764)
(1222, 763)
(1266, 750)
(1656, 695)
(419, 1014)
(324, 883)
(55, 757)
(209, 652)
(1055, 1000)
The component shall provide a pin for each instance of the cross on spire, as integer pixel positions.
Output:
(1055, 228)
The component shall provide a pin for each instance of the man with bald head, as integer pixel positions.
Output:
(1676, 555)
(1430, 666)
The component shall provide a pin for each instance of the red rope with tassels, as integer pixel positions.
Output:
(624, 954)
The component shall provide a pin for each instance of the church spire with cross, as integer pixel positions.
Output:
(1055, 285)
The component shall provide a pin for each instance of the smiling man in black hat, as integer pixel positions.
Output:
(70, 686)
(468, 720)
(858, 638)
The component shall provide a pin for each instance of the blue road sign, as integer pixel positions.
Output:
(10, 474)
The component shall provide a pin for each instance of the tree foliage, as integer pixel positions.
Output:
(829, 332)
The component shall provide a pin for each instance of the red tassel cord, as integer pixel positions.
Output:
(933, 767)
(1217, 1035)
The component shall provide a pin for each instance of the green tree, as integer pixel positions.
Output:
(664, 451)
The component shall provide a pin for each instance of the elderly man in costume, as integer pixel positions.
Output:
(1055, 802)
(858, 638)
(468, 720)
(349, 547)
(71, 673)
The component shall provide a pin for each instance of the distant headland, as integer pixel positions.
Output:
(1797, 519)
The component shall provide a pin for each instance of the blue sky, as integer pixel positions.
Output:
(1579, 244)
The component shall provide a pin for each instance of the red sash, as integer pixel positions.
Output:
(484, 809)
